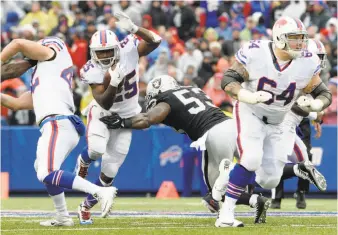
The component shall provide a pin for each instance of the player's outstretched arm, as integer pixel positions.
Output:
(30, 49)
(15, 69)
(231, 84)
(319, 91)
(25, 101)
(150, 40)
(154, 116)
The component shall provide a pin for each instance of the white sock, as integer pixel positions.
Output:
(83, 185)
(60, 204)
(253, 200)
(230, 202)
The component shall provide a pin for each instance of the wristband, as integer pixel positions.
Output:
(127, 123)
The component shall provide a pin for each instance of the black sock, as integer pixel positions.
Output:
(244, 199)
(288, 172)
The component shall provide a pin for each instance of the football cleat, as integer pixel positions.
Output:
(226, 217)
(58, 221)
(276, 203)
(307, 171)
(83, 213)
(261, 207)
(211, 204)
(300, 197)
(106, 197)
(235, 223)
(81, 168)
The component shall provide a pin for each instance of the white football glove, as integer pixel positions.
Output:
(247, 96)
(125, 23)
(309, 104)
(116, 75)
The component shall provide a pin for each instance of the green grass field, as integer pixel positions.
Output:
(186, 216)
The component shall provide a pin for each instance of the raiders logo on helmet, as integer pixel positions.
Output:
(157, 83)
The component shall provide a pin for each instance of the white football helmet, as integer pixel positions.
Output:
(285, 27)
(157, 86)
(317, 47)
(105, 40)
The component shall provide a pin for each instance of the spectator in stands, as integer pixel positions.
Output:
(105, 17)
(231, 46)
(158, 15)
(174, 72)
(246, 33)
(192, 56)
(160, 67)
(189, 76)
(320, 14)
(224, 30)
(184, 20)
(207, 70)
(130, 9)
(214, 91)
(211, 35)
(79, 19)
(237, 18)
(36, 14)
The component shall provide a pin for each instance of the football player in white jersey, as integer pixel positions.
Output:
(293, 120)
(119, 95)
(266, 80)
(52, 100)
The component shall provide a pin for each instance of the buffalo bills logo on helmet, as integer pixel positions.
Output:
(157, 83)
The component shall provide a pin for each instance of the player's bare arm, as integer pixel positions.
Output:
(150, 40)
(15, 69)
(30, 49)
(154, 116)
(149, 43)
(319, 91)
(25, 101)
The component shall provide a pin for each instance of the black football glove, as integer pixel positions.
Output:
(113, 121)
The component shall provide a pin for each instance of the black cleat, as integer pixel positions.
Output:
(275, 203)
(210, 203)
(300, 197)
(308, 171)
(261, 207)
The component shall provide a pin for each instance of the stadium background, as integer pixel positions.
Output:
(199, 41)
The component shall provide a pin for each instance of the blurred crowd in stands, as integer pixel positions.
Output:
(199, 39)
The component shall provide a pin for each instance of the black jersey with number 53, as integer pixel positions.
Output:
(192, 111)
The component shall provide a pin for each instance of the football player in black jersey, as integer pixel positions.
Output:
(190, 111)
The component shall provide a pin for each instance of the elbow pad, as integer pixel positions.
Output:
(231, 76)
(321, 91)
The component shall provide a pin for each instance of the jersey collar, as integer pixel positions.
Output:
(275, 62)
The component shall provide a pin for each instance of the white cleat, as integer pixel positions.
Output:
(58, 221)
(235, 223)
(106, 197)
(221, 182)
(226, 217)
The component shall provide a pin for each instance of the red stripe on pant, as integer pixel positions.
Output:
(89, 120)
(298, 153)
(238, 122)
(51, 146)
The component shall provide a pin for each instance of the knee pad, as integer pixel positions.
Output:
(251, 164)
(41, 174)
(269, 182)
(96, 147)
